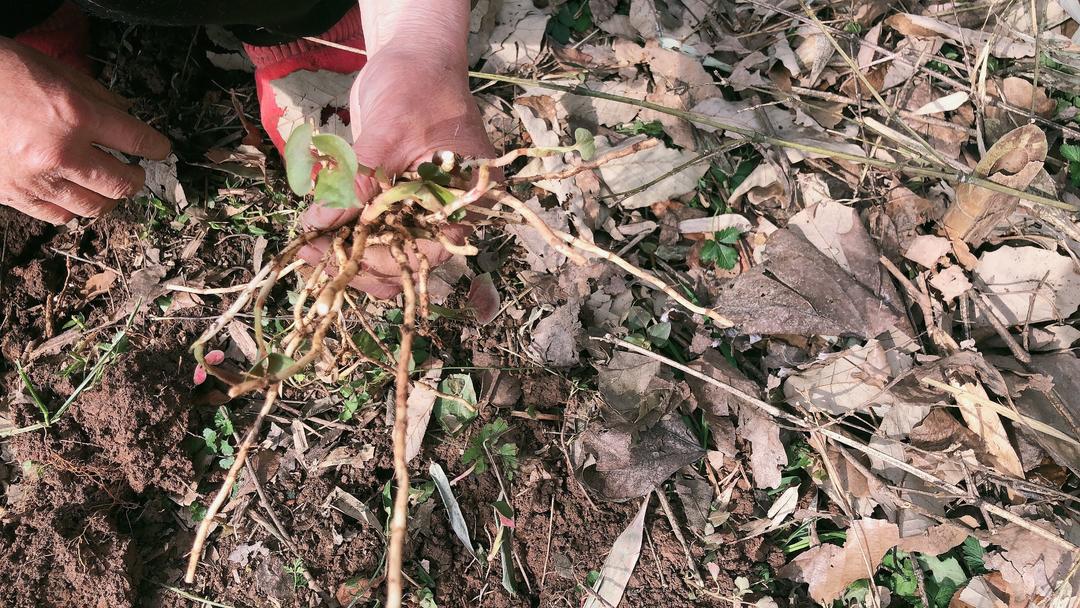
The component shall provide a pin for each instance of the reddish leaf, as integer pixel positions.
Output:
(200, 375)
(214, 357)
(484, 299)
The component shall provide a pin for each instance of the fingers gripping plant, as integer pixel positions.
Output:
(413, 206)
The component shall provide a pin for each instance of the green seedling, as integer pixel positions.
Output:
(487, 440)
(719, 249)
(296, 570)
(108, 353)
(218, 439)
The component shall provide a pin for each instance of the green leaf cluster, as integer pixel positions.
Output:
(719, 250)
(488, 437)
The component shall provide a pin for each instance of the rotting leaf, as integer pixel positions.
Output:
(1014, 161)
(621, 466)
(484, 299)
(620, 563)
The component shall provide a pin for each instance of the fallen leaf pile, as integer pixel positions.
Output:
(879, 290)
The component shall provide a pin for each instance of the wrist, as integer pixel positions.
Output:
(435, 30)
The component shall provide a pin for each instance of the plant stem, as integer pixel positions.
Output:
(953, 177)
(226, 486)
(399, 520)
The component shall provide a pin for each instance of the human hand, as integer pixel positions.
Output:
(406, 104)
(52, 117)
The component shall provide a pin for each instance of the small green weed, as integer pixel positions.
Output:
(487, 441)
(218, 439)
(573, 18)
(719, 251)
(296, 569)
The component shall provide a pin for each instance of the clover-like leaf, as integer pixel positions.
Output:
(585, 143)
(298, 159)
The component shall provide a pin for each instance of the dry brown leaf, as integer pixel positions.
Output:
(837, 231)
(985, 423)
(421, 402)
(1031, 565)
(620, 465)
(974, 40)
(539, 255)
(1013, 161)
(1027, 285)
(799, 290)
(912, 53)
(554, 339)
(896, 223)
(630, 172)
(951, 282)
(829, 569)
(767, 454)
(851, 380)
(1056, 406)
(1018, 93)
(98, 284)
(517, 37)
(980, 593)
(680, 81)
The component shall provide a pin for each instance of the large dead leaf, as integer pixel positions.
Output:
(799, 290)
(1027, 285)
(1057, 406)
(640, 168)
(836, 231)
(1032, 565)
(517, 37)
(620, 465)
(1013, 161)
(829, 569)
(974, 40)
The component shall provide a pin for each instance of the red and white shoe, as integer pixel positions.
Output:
(305, 81)
(64, 36)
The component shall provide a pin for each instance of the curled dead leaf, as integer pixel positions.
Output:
(1013, 161)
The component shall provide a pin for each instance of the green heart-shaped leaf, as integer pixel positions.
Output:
(298, 160)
